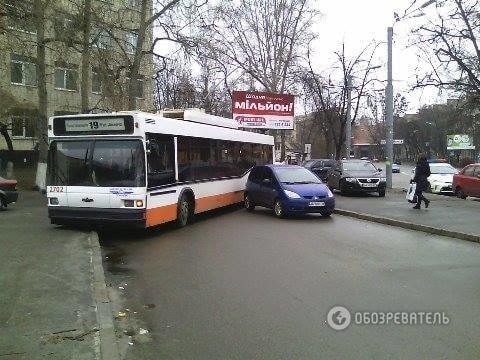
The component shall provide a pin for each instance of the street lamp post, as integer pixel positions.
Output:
(389, 90)
(389, 112)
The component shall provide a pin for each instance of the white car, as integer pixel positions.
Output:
(441, 178)
(395, 168)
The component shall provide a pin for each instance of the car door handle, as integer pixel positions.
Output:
(87, 200)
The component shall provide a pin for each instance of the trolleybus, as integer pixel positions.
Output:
(140, 169)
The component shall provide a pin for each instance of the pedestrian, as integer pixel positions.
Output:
(422, 172)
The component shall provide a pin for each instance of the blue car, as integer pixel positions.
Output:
(288, 190)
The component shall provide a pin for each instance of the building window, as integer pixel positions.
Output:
(101, 39)
(96, 82)
(63, 28)
(132, 3)
(19, 16)
(23, 70)
(138, 87)
(278, 146)
(23, 127)
(66, 77)
(131, 39)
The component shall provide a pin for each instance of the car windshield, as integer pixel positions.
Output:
(309, 162)
(358, 166)
(442, 169)
(97, 163)
(296, 176)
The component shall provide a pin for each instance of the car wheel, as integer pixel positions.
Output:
(3, 203)
(460, 194)
(278, 208)
(184, 213)
(343, 188)
(249, 204)
(381, 193)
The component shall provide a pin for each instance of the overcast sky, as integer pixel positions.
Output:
(357, 22)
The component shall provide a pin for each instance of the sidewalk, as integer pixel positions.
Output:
(47, 311)
(446, 215)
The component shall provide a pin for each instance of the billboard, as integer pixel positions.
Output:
(459, 142)
(261, 110)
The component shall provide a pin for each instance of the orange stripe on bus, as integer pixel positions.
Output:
(163, 214)
(216, 201)
(160, 215)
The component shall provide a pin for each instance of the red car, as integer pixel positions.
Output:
(467, 182)
(8, 192)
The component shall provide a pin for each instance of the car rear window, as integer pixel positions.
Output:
(468, 171)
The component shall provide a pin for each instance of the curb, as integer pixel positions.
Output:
(410, 226)
(108, 341)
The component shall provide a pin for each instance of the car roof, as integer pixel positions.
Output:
(355, 160)
(440, 164)
(280, 166)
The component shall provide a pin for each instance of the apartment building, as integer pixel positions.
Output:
(112, 45)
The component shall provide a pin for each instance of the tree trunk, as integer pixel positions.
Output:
(41, 129)
(137, 57)
(86, 54)
(282, 142)
(6, 135)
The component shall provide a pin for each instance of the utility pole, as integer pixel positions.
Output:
(348, 129)
(389, 112)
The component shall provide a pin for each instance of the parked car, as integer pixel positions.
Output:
(395, 168)
(356, 176)
(467, 181)
(288, 189)
(364, 158)
(8, 192)
(320, 167)
(441, 178)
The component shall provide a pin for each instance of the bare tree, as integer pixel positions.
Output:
(376, 105)
(263, 39)
(328, 94)
(449, 42)
(174, 86)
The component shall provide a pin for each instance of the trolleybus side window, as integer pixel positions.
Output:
(185, 172)
(160, 160)
(201, 159)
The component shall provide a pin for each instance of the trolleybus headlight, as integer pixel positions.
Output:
(53, 201)
(128, 203)
(139, 203)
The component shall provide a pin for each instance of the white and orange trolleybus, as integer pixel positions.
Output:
(140, 169)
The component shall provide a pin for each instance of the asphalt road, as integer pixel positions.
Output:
(400, 180)
(239, 285)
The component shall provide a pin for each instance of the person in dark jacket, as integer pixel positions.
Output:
(422, 172)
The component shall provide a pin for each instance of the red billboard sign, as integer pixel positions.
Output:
(263, 110)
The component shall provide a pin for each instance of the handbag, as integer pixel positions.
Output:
(411, 196)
